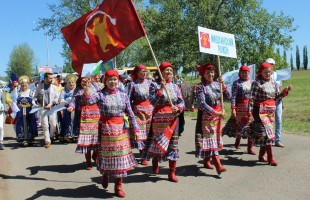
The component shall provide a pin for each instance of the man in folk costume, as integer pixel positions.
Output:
(165, 131)
(262, 107)
(208, 137)
(47, 95)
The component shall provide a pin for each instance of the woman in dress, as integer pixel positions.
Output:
(262, 107)
(26, 126)
(168, 104)
(139, 93)
(240, 96)
(67, 117)
(115, 156)
(86, 121)
(208, 136)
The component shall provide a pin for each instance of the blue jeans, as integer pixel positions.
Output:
(278, 121)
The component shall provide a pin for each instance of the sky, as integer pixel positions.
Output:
(18, 19)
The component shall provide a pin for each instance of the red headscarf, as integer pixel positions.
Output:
(262, 67)
(203, 68)
(244, 68)
(164, 65)
(109, 73)
(134, 73)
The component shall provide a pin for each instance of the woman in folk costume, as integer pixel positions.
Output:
(65, 97)
(165, 132)
(26, 126)
(86, 121)
(139, 93)
(208, 137)
(115, 152)
(240, 96)
(262, 107)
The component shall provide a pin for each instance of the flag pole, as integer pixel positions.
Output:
(221, 86)
(157, 65)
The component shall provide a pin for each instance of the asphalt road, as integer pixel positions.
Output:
(58, 173)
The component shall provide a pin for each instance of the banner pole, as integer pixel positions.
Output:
(221, 86)
(157, 65)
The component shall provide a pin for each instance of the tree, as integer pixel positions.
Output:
(297, 58)
(21, 61)
(171, 26)
(291, 62)
(305, 57)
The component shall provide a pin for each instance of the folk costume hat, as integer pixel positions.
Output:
(110, 73)
(137, 69)
(244, 68)
(203, 68)
(164, 65)
(23, 78)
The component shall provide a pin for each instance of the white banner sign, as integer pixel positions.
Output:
(216, 42)
(44, 69)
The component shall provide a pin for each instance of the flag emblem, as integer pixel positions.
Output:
(205, 40)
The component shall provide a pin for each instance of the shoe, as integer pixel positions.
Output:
(1, 146)
(279, 144)
(48, 145)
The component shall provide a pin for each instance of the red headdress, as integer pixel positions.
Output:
(244, 68)
(203, 68)
(164, 65)
(134, 73)
(109, 73)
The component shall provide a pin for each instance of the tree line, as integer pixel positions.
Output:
(171, 26)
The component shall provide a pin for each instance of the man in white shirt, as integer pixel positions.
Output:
(278, 115)
(47, 96)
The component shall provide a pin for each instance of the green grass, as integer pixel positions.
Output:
(296, 112)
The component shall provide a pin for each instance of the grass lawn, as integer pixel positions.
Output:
(296, 112)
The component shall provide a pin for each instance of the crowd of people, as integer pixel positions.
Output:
(108, 119)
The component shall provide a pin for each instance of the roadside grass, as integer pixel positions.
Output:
(296, 112)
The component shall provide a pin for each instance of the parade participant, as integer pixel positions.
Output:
(68, 117)
(97, 79)
(240, 96)
(262, 107)
(138, 93)
(86, 121)
(279, 105)
(2, 110)
(47, 95)
(58, 115)
(165, 131)
(10, 100)
(26, 126)
(115, 153)
(208, 137)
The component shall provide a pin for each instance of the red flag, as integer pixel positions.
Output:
(103, 33)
